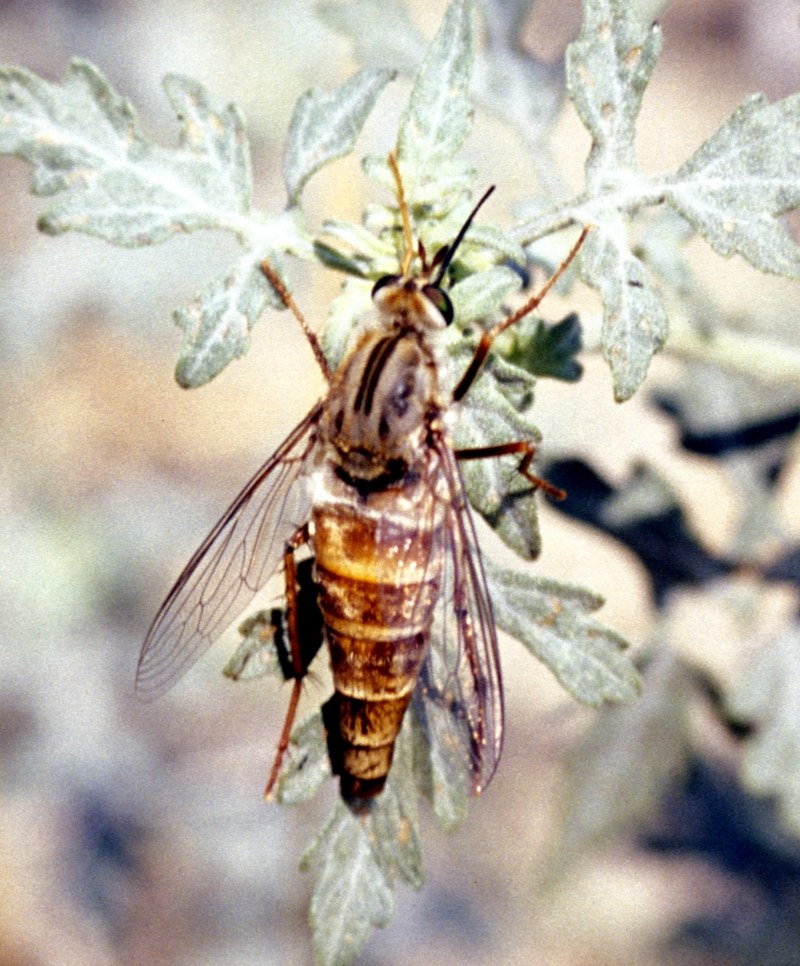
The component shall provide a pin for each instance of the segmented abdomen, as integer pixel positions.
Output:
(379, 579)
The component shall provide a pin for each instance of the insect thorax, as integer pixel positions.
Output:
(382, 403)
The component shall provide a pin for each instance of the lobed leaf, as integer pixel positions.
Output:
(490, 414)
(552, 620)
(83, 141)
(634, 318)
(608, 68)
(216, 142)
(735, 186)
(325, 126)
(217, 322)
(352, 895)
(359, 859)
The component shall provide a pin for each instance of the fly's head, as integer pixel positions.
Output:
(407, 302)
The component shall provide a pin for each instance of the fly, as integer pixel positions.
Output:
(368, 483)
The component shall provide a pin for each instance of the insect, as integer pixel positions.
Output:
(368, 483)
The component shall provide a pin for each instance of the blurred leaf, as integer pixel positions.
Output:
(381, 30)
(769, 698)
(517, 87)
(548, 350)
(325, 126)
(552, 620)
(645, 516)
(736, 185)
(626, 761)
(608, 68)
(487, 236)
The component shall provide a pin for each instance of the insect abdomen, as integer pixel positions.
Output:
(379, 582)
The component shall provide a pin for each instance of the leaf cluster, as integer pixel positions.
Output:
(104, 177)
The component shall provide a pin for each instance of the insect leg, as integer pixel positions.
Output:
(286, 297)
(528, 450)
(490, 335)
(299, 668)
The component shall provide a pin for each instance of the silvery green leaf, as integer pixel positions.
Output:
(325, 126)
(360, 860)
(735, 186)
(84, 143)
(257, 653)
(360, 251)
(489, 415)
(553, 621)
(216, 142)
(608, 69)
(352, 895)
(306, 767)
(634, 318)
(480, 295)
(381, 30)
(626, 760)
(439, 113)
(769, 698)
(217, 323)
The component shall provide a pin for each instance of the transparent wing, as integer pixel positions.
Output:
(234, 561)
(462, 670)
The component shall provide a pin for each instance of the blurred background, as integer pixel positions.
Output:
(135, 833)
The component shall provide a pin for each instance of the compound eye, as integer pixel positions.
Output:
(383, 281)
(441, 300)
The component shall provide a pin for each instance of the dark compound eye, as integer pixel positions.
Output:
(441, 300)
(383, 281)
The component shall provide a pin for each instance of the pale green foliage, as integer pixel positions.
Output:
(732, 190)
(439, 113)
(734, 187)
(325, 126)
(545, 615)
(107, 179)
(359, 861)
(623, 765)
(769, 698)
